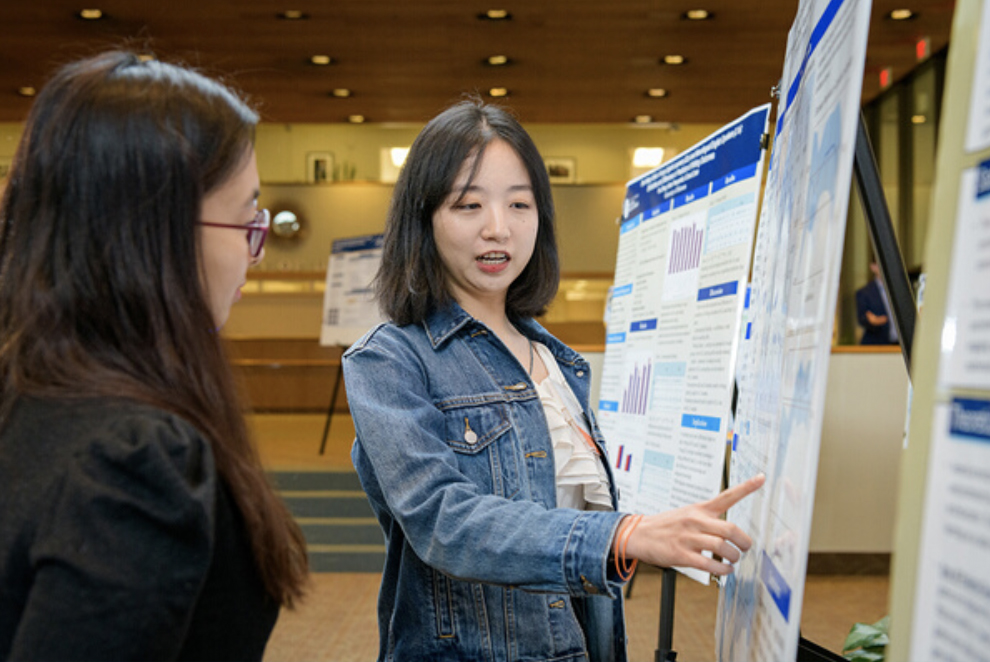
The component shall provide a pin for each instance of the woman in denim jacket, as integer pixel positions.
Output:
(475, 441)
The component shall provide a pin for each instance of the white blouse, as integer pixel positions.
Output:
(581, 479)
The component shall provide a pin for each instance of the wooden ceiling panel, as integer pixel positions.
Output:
(574, 61)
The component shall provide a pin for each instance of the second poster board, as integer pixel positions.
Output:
(673, 318)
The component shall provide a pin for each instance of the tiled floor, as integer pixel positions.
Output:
(338, 623)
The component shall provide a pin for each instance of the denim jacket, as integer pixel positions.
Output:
(455, 455)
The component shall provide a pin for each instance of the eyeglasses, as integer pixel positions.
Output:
(257, 230)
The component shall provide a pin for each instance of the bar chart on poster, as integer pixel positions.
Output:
(673, 319)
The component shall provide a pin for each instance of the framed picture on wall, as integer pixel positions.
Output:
(561, 169)
(319, 167)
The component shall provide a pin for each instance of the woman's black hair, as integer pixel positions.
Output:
(411, 281)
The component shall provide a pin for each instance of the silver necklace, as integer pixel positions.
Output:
(530, 358)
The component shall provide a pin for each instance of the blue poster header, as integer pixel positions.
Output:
(718, 291)
(971, 418)
(731, 152)
(364, 243)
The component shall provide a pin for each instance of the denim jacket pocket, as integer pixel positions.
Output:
(481, 438)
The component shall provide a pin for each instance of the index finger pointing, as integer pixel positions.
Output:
(734, 495)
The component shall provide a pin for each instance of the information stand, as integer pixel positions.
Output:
(349, 307)
(673, 326)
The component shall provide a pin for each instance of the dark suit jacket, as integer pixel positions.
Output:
(869, 298)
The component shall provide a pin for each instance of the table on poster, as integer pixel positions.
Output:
(673, 318)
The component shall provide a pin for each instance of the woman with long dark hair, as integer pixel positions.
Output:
(137, 520)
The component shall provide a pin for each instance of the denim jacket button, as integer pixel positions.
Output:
(588, 586)
(470, 437)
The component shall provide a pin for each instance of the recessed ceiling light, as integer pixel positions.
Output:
(643, 119)
(341, 92)
(293, 15)
(901, 14)
(356, 119)
(27, 91)
(321, 60)
(673, 59)
(656, 92)
(497, 60)
(495, 15)
(698, 15)
(91, 14)
(498, 92)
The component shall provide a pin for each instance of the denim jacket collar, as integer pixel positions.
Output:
(443, 323)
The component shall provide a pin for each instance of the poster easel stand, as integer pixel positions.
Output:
(665, 637)
(892, 270)
(337, 381)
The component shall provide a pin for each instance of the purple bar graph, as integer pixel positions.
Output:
(685, 249)
(634, 396)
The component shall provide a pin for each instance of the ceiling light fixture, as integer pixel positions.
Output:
(27, 91)
(495, 15)
(918, 119)
(356, 119)
(698, 15)
(91, 14)
(497, 61)
(643, 119)
(656, 93)
(293, 15)
(321, 60)
(901, 14)
(498, 92)
(341, 92)
(673, 59)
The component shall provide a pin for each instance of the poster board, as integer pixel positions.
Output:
(795, 282)
(940, 579)
(673, 318)
(349, 306)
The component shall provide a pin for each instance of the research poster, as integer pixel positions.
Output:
(673, 320)
(349, 307)
(965, 361)
(952, 607)
(978, 124)
(795, 280)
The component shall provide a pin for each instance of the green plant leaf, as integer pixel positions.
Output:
(864, 656)
(862, 635)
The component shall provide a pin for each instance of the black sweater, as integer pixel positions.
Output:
(117, 540)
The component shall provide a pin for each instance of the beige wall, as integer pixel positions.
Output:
(586, 211)
(587, 233)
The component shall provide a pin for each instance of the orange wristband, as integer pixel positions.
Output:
(623, 568)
